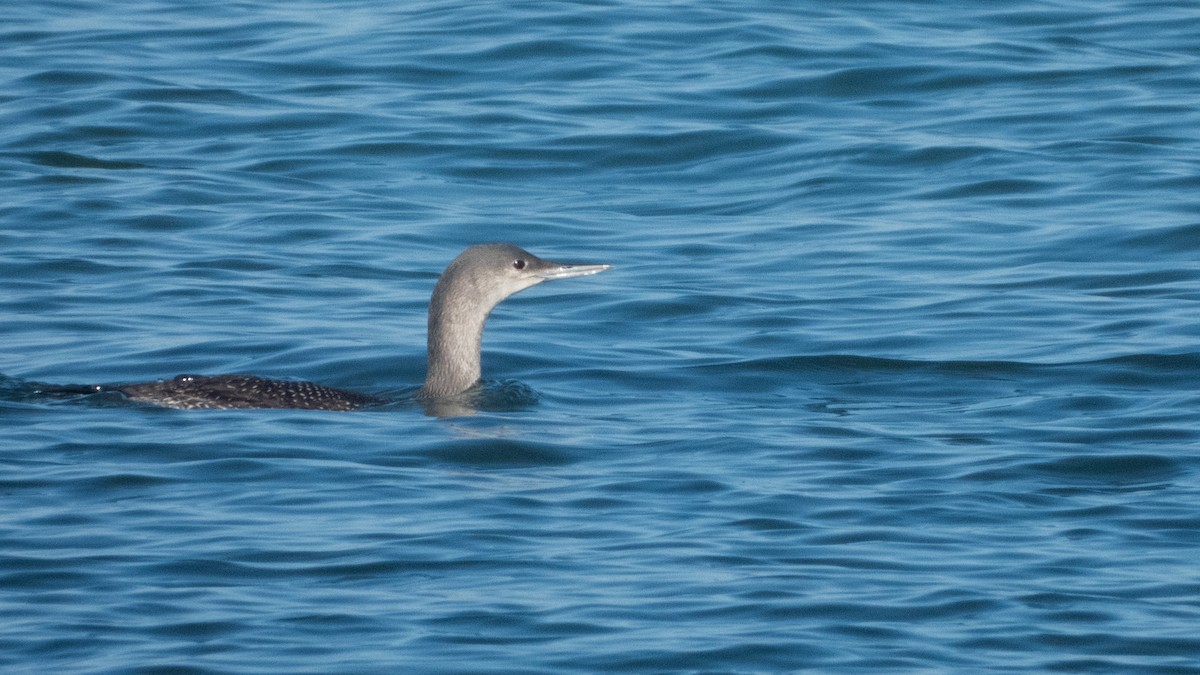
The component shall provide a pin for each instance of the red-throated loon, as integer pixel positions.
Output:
(474, 283)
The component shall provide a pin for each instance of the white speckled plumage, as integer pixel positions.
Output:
(244, 391)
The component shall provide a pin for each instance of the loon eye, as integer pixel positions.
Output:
(519, 264)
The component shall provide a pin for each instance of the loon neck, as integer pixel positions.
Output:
(455, 340)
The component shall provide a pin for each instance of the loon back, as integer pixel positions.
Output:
(244, 391)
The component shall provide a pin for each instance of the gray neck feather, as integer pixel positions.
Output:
(457, 312)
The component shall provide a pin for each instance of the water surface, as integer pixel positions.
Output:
(896, 368)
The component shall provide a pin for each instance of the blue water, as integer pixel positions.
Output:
(896, 370)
